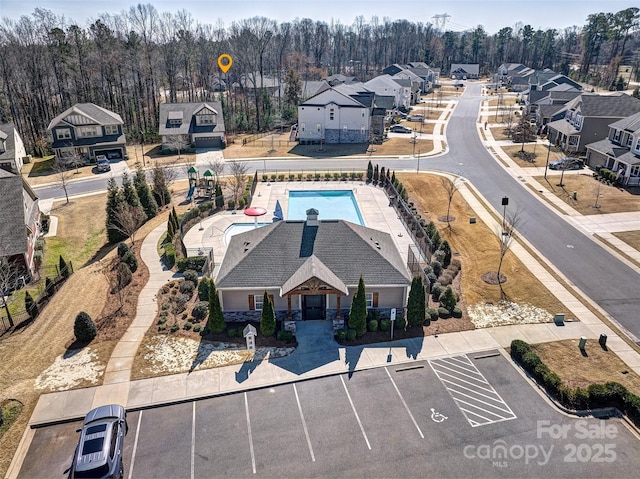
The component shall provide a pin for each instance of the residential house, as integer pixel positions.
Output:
(332, 116)
(198, 124)
(86, 130)
(12, 150)
(385, 85)
(537, 102)
(587, 119)
(19, 221)
(419, 72)
(465, 70)
(310, 269)
(339, 79)
(620, 151)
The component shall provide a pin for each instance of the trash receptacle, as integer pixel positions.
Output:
(603, 340)
(583, 343)
(575, 195)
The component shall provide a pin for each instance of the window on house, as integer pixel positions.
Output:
(331, 114)
(616, 136)
(111, 130)
(635, 170)
(257, 302)
(88, 132)
(369, 300)
(629, 141)
(302, 127)
(318, 127)
(204, 120)
(63, 133)
(637, 148)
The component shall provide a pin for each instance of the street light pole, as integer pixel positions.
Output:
(547, 163)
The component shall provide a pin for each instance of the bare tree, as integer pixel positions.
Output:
(451, 187)
(177, 142)
(9, 280)
(161, 179)
(239, 171)
(64, 175)
(128, 219)
(217, 167)
(505, 232)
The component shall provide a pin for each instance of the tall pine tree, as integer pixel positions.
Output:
(216, 323)
(147, 200)
(358, 312)
(268, 317)
(369, 171)
(416, 305)
(115, 199)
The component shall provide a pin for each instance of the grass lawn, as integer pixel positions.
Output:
(477, 247)
(540, 152)
(506, 101)
(632, 238)
(41, 171)
(498, 132)
(598, 366)
(611, 199)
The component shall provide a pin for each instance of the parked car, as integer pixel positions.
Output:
(400, 129)
(113, 155)
(101, 444)
(102, 163)
(567, 164)
(416, 117)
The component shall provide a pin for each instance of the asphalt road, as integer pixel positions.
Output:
(605, 279)
(418, 421)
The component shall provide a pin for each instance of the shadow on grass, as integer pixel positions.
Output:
(100, 254)
(329, 151)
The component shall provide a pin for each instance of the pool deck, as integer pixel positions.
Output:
(372, 202)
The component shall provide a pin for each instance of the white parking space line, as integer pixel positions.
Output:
(355, 412)
(304, 424)
(473, 394)
(404, 403)
(135, 445)
(193, 440)
(253, 456)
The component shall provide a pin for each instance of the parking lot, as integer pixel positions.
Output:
(461, 416)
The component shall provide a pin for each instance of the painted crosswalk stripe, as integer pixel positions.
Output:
(473, 394)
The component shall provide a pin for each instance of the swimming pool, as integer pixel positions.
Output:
(331, 205)
(237, 228)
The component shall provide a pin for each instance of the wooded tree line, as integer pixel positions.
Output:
(132, 61)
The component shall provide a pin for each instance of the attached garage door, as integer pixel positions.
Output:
(209, 142)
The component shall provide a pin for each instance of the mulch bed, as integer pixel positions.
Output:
(492, 278)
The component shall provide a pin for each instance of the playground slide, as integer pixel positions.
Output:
(190, 194)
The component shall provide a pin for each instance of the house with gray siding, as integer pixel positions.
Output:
(12, 151)
(586, 119)
(86, 130)
(198, 124)
(620, 151)
(311, 269)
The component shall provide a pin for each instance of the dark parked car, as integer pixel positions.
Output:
(103, 163)
(567, 164)
(101, 445)
(399, 129)
(113, 155)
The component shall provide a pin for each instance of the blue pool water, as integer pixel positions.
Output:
(331, 204)
(237, 228)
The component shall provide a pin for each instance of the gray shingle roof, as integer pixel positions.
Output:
(100, 116)
(188, 124)
(606, 106)
(630, 123)
(270, 256)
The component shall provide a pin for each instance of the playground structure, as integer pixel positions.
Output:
(201, 186)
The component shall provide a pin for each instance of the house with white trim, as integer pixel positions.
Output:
(198, 124)
(86, 130)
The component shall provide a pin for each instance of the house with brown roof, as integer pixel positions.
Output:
(311, 270)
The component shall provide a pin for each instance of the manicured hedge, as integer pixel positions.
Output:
(192, 262)
(610, 394)
(169, 255)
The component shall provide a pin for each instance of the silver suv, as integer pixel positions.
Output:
(101, 444)
(102, 163)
